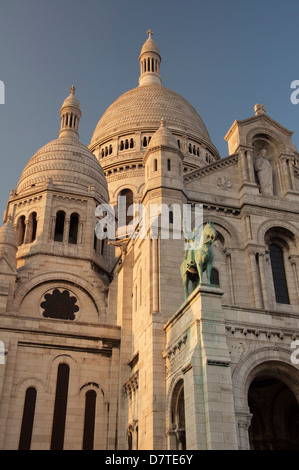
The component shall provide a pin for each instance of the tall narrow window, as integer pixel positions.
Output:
(155, 165)
(73, 233)
(28, 418)
(59, 418)
(168, 164)
(21, 230)
(32, 226)
(279, 276)
(59, 226)
(89, 420)
(170, 215)
(127, 193)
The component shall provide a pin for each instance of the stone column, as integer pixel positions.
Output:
(155, 275)
(292, 177)
(261, 261)
(243, 166)
(295, 274)
(255, 280)
(230, 273)
(66, 230)
(250, 166)
(285, 175)
(243, 421)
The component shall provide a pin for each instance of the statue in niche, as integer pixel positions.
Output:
(265, 173)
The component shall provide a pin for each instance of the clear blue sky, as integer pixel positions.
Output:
(222, 56)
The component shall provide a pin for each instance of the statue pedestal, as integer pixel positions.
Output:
(203, 362)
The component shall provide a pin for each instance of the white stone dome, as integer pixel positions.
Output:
(163, 137)
(68, 165)
(65, 163)
(143, 108)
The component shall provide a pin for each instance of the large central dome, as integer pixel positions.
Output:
(140, 110)
(143, 108)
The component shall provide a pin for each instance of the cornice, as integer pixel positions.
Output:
(215, 166)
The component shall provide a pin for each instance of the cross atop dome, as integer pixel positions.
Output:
(150, 60)
(149, 32)
(70, 113)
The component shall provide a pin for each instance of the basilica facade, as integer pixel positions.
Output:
(102, 345)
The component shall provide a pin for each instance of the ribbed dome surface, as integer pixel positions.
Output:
(68, 164)
(144, 107)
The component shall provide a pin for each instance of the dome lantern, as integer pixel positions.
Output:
(70, 113)
(150, 60)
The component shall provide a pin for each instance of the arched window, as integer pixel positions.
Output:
(170, 215)
(279, 276)
(127, 193)
(28, 418)
(178, 415)
(73, 232)
(59, 226)
(89, 419)
(215, 277)
(60, 406)
(21, 230)
(32, 226)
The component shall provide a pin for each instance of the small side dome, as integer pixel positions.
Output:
(163, 137)
(8, 236)
(67, 163)
(9, 243)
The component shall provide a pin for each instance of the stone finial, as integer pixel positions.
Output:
(73, 89)
(150, 33)
(259, 109)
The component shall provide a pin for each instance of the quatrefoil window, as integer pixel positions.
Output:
(59, 304)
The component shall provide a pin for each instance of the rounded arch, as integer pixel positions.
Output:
(275, 359)
(227, 231)
(99, 389)
(289, 230)
(131, 187)
(53, 365)
(28, 382)
(262, 132)
(59, 277)
(175, 380)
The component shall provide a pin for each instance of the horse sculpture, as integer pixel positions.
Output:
(198, 257)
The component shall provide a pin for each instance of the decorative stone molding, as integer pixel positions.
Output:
(131, 386)
(216, 166)
(224, 183)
